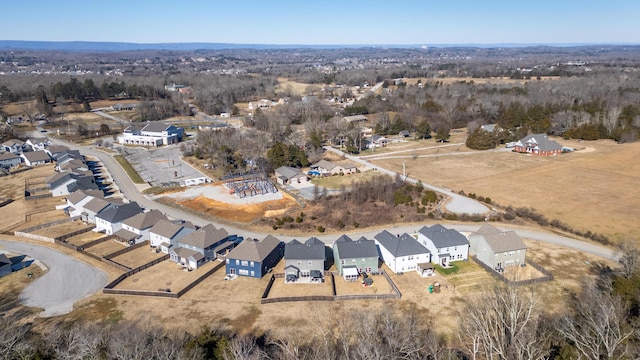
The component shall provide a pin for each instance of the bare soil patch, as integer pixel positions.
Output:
(137, 257)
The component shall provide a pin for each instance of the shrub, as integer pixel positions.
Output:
(320, 228)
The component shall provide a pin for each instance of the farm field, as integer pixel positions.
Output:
(576, 188)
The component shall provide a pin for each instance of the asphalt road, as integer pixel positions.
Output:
(67, 281)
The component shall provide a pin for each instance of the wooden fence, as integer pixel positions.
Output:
(74, 233)
(96, 242)
(33, 236)
(547, 275)
(5, 202)
(126, 250)
(395, 295)
(130, 272)
(49, 224)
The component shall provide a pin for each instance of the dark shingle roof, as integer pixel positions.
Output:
(119, 213)
(155, 126)
(36, 156)
(403, 245)
(312, 249)
(169, 229)
(186, 253)
(361, 248)
(254, 250)
(542, 141)
(443, 237)
(288, 172)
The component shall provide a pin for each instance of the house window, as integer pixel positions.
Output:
(245, 263)
(244, 272)
(253, 273)
(353, 261)
(363, 260)
(252, 264)
(341, 262)
(237, 262)
(299, 262)
(227, 261)
(310, 262)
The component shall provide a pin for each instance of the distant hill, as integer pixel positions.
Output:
(80, 46)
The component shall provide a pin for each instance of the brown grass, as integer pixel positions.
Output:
(589, 190)
(137, 257)
(166, 274)
(105, 248)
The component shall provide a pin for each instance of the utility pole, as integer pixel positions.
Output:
(404, 172)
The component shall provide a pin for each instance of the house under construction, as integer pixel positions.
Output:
(250, 183)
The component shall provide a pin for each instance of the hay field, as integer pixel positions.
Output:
(296, 88)
(594, 189)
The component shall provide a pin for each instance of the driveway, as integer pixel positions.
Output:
(67, 280)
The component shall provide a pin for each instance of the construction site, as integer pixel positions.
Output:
(251, 183)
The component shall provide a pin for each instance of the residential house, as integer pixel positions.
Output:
(13, 146)
(404, 133)
(208, 241)
(186, 257)
(37, 144)
(445, 245)
(355, 118)
(66, 182)
(79, 198)
(378, 141)
(254, 257)
(5, 265)
(151, 134)
(538, 144)
(489, 127)
(56, 150)
(401, 253)
(496, 248)
(355, 257)
(286, 175)
(328, 168)
(136, 229)
(96, 206)
(165, 234)
(305, 259)
(35, 158)
(9, 160)
(110, 220)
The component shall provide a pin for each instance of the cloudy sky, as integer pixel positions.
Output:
(349, 22)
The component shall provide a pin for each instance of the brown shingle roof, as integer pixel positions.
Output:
(205, 236)
(168, 228)
(145, 220)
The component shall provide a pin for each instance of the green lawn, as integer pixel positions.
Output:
(133, 174)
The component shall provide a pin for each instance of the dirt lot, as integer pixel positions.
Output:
(137, 257)
(576, 188)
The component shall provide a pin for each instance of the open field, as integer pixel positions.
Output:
(137, 257)
(296, 88)
(165, 274)
(105, 248)
(576, 188)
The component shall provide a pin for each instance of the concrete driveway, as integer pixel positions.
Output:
(67, 280)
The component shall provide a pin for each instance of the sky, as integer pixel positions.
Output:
(328, 22)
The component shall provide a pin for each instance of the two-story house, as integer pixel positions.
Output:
(136, 229)
(445, 245)
(401, 252)
(355, 257)
(305, 260)
(496, 248)
(208, 241)
(254, 257)
(165, 234)
(110, 220)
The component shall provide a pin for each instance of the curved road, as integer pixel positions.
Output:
(67, 280)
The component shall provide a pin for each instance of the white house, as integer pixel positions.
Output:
(110, 220)
(445, 245)
(165, 234)
(139, 226)
(9, 160)
(13, 146)
(35, 158)
(401, 252)
(79, 198)
(38, 144)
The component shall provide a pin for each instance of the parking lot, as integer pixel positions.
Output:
(161, 166)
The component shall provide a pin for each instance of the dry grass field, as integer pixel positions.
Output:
(105, 248)
(592, 189)
(84, 238)
(137, 257)
(165, 274)
(296, 88)
(61, 229)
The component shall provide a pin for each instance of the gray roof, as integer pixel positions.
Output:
(76, 196)
(96, 205)
(169, 229)
(145, 220)
(156, 126)
(186, 253)
(55, 149)
(312, 249)
(288, 172)
(205, 237)
(500, 241)
(403, 245)
(4, 260)
(542, 141)
(324, 164)
(355, 118)
(13, 142)
(361, 248)
(119, 213)
(36, 156)
(254, 250)
(8, 156)
(125, 234)
(443, 237)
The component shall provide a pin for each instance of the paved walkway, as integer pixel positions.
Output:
(67, 281)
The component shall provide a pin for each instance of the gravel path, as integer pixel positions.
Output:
(67, 281)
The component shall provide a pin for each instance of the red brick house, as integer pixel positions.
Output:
(538, 144)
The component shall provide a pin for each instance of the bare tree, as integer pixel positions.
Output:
(598, 327)
(504, 325)
(243, 347)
